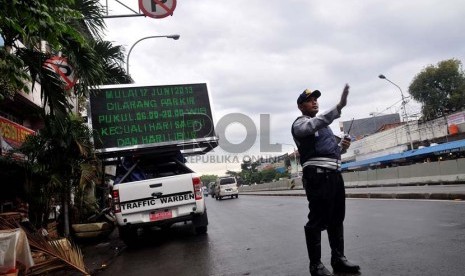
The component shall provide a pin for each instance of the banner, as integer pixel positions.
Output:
(12, 135)
(456, 118)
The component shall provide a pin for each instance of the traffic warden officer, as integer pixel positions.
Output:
(320, 156)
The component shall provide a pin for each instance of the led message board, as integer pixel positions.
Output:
(129, 117)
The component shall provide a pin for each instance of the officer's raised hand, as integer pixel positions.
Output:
(343, 101)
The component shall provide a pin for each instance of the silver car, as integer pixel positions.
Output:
(226, 186)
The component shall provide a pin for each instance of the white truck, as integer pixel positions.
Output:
(156, 190)
(146, 131)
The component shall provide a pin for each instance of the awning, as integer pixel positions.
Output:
(450, 147)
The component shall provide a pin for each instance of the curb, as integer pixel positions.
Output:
(432, 196)
(99, 255)
(106, 262)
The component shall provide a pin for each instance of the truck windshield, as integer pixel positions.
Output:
(149, 167)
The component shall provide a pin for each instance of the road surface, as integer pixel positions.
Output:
(256, 235)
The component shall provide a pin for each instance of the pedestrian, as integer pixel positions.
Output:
(320, 156)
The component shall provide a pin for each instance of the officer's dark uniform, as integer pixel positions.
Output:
(320, 156)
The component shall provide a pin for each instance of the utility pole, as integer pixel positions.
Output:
(404, 113)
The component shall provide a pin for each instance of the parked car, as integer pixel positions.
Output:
(226, 186)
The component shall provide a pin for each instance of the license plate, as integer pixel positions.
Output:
(161, 215)
(228, 190)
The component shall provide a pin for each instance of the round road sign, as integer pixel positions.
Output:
(61, 66)
(157, 8)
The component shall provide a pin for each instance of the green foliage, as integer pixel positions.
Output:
(249, 165)
(254, 178)
(61, 24)
(112, 58)
(268, 175)
(207, 178)
(282, 175)
(12, 75)
(441, 88)
(29, 22)
(61, 156)
(233, 173)
(91, 9)
(250, 174)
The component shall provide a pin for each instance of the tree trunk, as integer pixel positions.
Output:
(66, 219)
(66, 213)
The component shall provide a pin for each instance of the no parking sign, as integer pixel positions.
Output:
(60, 66)
(157, 8)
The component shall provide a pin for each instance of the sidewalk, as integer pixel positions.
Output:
(438, 192)
(99, 254)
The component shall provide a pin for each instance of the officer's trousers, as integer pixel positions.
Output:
(326, 197)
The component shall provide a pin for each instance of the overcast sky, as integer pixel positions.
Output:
(257, 56)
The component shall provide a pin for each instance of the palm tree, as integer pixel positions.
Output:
(61, 154)
(60, 157)
(72, 29)
(112, 58)
(61, 161)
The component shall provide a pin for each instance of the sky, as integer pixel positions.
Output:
(258, 56)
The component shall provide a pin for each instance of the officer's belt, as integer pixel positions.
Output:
(324, 162)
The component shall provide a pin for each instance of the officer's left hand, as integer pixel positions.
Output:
(345, 144)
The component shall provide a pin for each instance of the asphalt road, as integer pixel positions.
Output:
(256, 235)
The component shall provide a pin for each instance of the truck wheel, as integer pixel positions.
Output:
(128, 235)
(200, 223)
(165, 227)
(201, 230)
(237, 196)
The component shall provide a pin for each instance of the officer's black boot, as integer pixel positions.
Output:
(338, 261)
(313, 239)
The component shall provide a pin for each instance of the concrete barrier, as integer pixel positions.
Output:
(285, 184)
(440, 172)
